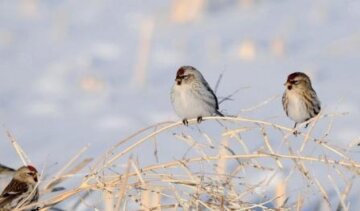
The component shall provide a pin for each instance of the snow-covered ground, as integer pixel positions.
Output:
(68, 68)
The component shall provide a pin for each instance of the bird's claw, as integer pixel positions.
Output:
(296, 132)
(199, 119)
(185, 122)
(307, 125)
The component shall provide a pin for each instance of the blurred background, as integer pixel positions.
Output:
(90, 72)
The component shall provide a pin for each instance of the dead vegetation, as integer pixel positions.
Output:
(275, 172)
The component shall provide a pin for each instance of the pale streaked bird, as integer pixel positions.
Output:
(300, 101)
(21, 191)
(192, 97)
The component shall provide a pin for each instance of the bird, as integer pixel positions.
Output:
(22, 189)
(300, 101)
(192, 97)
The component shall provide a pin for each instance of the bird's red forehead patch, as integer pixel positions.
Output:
(181, 71)
(32, 168)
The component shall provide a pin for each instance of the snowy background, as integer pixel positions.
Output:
(90, 72)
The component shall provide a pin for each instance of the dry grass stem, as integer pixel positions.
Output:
(250, 165)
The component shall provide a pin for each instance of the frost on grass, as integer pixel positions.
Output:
(225, 163)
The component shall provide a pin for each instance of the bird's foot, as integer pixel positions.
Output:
(185, 122)
(307, 125)
(295, 125)
(199, 119)
(296, 132)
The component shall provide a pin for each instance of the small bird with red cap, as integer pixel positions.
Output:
(192, 97)
(300, 100)
(22, 190)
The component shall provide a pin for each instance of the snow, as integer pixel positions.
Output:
(67, 67)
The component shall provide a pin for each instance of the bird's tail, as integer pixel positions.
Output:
(219, 113)
(5, 169)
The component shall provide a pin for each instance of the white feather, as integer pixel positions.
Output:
(297, 110)
(187, 104)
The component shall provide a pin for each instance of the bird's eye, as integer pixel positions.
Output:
(186, 77)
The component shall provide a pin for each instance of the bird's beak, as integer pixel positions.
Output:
(178, 78)
(286, 83)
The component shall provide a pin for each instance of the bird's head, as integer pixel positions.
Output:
(27, 174)
(187, 74)
(298, 80)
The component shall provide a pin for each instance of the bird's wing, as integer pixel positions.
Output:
(316, 105)
(13, 190)
(284, 103)
(212, 94)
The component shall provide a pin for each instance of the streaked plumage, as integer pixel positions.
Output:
(21, 191)
(191, 95)
(300, 101)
